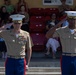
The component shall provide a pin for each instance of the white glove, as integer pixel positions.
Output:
(26, 67)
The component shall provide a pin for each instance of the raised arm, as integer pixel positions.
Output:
(51, 31)
(4, 27)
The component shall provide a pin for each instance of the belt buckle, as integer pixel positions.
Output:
(16, 57)
(72, 55)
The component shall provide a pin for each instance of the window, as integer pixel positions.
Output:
(69, 2)
(56, 2)
(47, 1)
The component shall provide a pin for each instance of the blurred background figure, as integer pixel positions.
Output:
(21, 2)
(53, 20)
(10, 8)
(3, 49)
(63, 7)
(25, 25)
(52, 43)
(4, 15)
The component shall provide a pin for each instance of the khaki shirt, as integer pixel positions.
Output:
(67, 39)
(16, 46)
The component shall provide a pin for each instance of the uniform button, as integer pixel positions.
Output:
(13, 40)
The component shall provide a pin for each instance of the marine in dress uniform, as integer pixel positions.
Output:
(17, 42)
(67, 36)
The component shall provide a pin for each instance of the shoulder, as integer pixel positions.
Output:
(62, 28)
(7, 31)
(4, 31)
(25, 32)
(65, 27)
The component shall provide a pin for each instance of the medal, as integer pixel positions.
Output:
(74, 37)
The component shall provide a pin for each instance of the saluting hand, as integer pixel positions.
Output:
(4, 27)
(59, 24)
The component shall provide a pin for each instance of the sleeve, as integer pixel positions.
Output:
(1, 33)
(29, 42)
(57, 33)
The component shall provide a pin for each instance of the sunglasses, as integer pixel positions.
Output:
(17, 23)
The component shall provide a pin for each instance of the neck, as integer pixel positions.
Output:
(53, 19)
(16, 31)
(72, 27)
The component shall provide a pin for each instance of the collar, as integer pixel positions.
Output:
(12, 33)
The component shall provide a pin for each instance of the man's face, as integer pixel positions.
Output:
(17, 25)
(72, 22)
(53, 16)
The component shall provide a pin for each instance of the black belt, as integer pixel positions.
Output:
(16, 57)
(69, 54)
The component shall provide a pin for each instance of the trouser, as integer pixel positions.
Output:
(15, 66)
(53, 43)
(68, 65)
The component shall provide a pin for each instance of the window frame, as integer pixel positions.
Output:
(58, 2)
